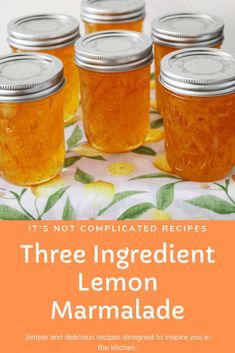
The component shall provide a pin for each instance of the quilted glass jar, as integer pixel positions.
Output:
(31, 118)
(198, 104)
(103, 15)
(184, 30)
(55, 35)
(114, 74)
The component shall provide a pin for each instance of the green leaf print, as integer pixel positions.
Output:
(69, 212)
(71, 160)
(10, 213)
(136, 211)
(213, 203)
(75, 138)
(119, 197)
(53, 199)
(145, 150)
(155, 175)
(23, 191)
(156, 124)
(165, 196)
(83, 177)
(98, 158)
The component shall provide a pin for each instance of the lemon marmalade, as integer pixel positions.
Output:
(31, 118)
(114, 71)
(198, 106)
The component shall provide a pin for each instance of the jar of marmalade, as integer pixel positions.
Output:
(198, 103)
(114, 75)
(31, 118)
(103, 15)
(55, 35)
(184, 30)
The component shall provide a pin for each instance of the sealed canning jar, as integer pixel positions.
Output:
(102, 15)
(31, 118)
(184, 30)
(114, 75)
(55, 35)
(198, 103)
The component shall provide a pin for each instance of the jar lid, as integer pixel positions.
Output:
(183, 30)
(27, 77)
(109, 11)
(113, 51)
(43, 31)
(200, 72)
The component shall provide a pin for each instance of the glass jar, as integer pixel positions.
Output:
(55, 35)
(198, 103)
(31, 118)
(114, 75)
(103, 15)
(184, 30)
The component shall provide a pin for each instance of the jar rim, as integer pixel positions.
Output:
(199, 72)
(188, 29)
(28, 32)
(113, 51)
(26, 77)
(93, 12)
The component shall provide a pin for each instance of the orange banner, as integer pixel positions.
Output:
(117, 286)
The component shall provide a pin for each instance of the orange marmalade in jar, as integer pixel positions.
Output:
(103, 15)
(53, 34)
(114, 75)
(184, 30)
(31, 118)
(198, 104)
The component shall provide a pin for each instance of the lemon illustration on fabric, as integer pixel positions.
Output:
(161, 163)
(96, 196)
(152, 84)
(154, 135)
(153, 104)
(121, 168)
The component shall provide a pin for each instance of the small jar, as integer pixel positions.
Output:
(114, 75)
(184, 30)
(31, 118)
(103, 15)
(53, 34)
(198, 103)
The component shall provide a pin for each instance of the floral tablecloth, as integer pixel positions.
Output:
(135, 185)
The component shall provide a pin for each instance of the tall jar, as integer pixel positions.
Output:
(115, 72)
(181, 31)
(198, 103)
(31, 118)
(103, 15)
(53, 34)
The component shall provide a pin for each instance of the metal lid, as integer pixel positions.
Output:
(29, 76)
(43, 31)
(184, 30)
(109, 11)
(199, 72)
(114, 51)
